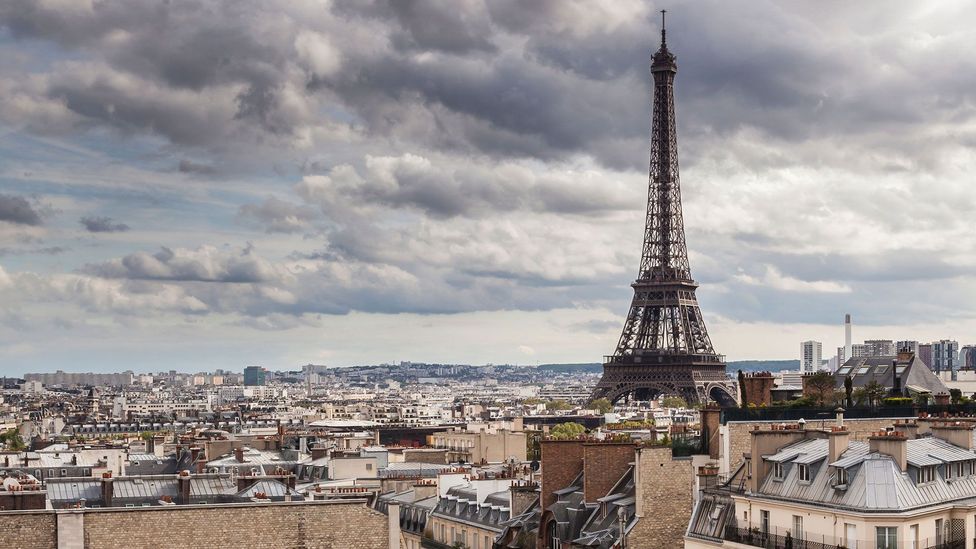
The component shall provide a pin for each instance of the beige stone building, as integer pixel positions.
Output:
(487, 445)
(912, 485)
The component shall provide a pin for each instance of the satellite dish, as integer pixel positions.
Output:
(534, 465)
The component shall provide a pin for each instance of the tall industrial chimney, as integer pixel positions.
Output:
(847, 337)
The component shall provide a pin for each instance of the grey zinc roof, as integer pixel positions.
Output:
(875, 482)
(73, 489)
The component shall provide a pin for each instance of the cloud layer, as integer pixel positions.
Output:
(252, 169)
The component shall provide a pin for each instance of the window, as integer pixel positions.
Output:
(369, 466)
(64, 472)
(778, 470)
(841, 476)
(764, 521)
(887, 537)
(803, 472)
(926, 474)
(939, 530)
(948, 471)
(913, 536)
(797, 527)
(960, 468)
(850, 535)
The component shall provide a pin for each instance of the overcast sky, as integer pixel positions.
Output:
(204, 184)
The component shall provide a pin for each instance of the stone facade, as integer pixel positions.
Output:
(327, 526)
(665, 493)
(28, 530)
(308, 525)
(758, 388)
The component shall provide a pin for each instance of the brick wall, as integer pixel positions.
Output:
(562, 461)
(739, 439)
(603, 464)
(327, 526)
(28, 530)
(665, 490)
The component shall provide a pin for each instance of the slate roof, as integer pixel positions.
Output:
(913, 372)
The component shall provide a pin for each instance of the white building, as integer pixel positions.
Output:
(811, 356)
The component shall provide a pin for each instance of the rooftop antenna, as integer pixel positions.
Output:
(663, 31)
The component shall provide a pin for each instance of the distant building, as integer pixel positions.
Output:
(903, 374)
(860, 350)
(945, 355)
(967, 357)
(909, 345)
(841, 357)
(881, 347)
(925, 353)
(811, 356)
(254, 376)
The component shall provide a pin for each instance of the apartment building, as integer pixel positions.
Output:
(909, 486)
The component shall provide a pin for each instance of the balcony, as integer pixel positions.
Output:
(753, 537)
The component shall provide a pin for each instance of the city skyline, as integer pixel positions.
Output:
(357, 185)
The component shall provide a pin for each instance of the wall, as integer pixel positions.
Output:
(665, 490)
(562, 461)
(309, 525)
(28, 530)
(603, 465)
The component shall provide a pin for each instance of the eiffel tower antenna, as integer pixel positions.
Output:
(664, 347)
(663, 31)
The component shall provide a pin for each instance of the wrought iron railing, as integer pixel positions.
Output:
(778, 539)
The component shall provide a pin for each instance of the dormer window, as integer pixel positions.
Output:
(926, 474)
(841, 479)
(960, 469)
(803, 472)
(778, 470)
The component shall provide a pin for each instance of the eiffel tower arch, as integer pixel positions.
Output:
(664, 347)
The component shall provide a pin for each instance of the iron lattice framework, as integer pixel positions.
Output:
(664, 347)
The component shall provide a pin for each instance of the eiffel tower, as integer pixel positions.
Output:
(664, 348)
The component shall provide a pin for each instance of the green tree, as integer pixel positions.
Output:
(567, 431)
(532, 401)
(558, 405)
(874, 392)
(12, 440)
(602, 405)
(955, 395)
(849, 390)
(820, 386)
(674, 402)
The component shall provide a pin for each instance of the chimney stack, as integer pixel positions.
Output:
(184, 483)
(957, 433)
(847, 337)
(838, 438)
(891, 443)
(239, 454)
(108, 490)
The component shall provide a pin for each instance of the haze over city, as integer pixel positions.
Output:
(282, 183)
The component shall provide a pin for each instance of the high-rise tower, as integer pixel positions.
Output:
(664, 347)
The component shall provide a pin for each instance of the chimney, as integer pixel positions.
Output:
(107, 491)
(707, 476)
(895, 380)
(891, 443)
(909, 427)
(239, 454)
(957, 433)
(183, 480)
(319, 452)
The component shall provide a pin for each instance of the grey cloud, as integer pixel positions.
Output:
(188, 166)
(101, 224)
(277, 216)
(18, 210)
(205, 264)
